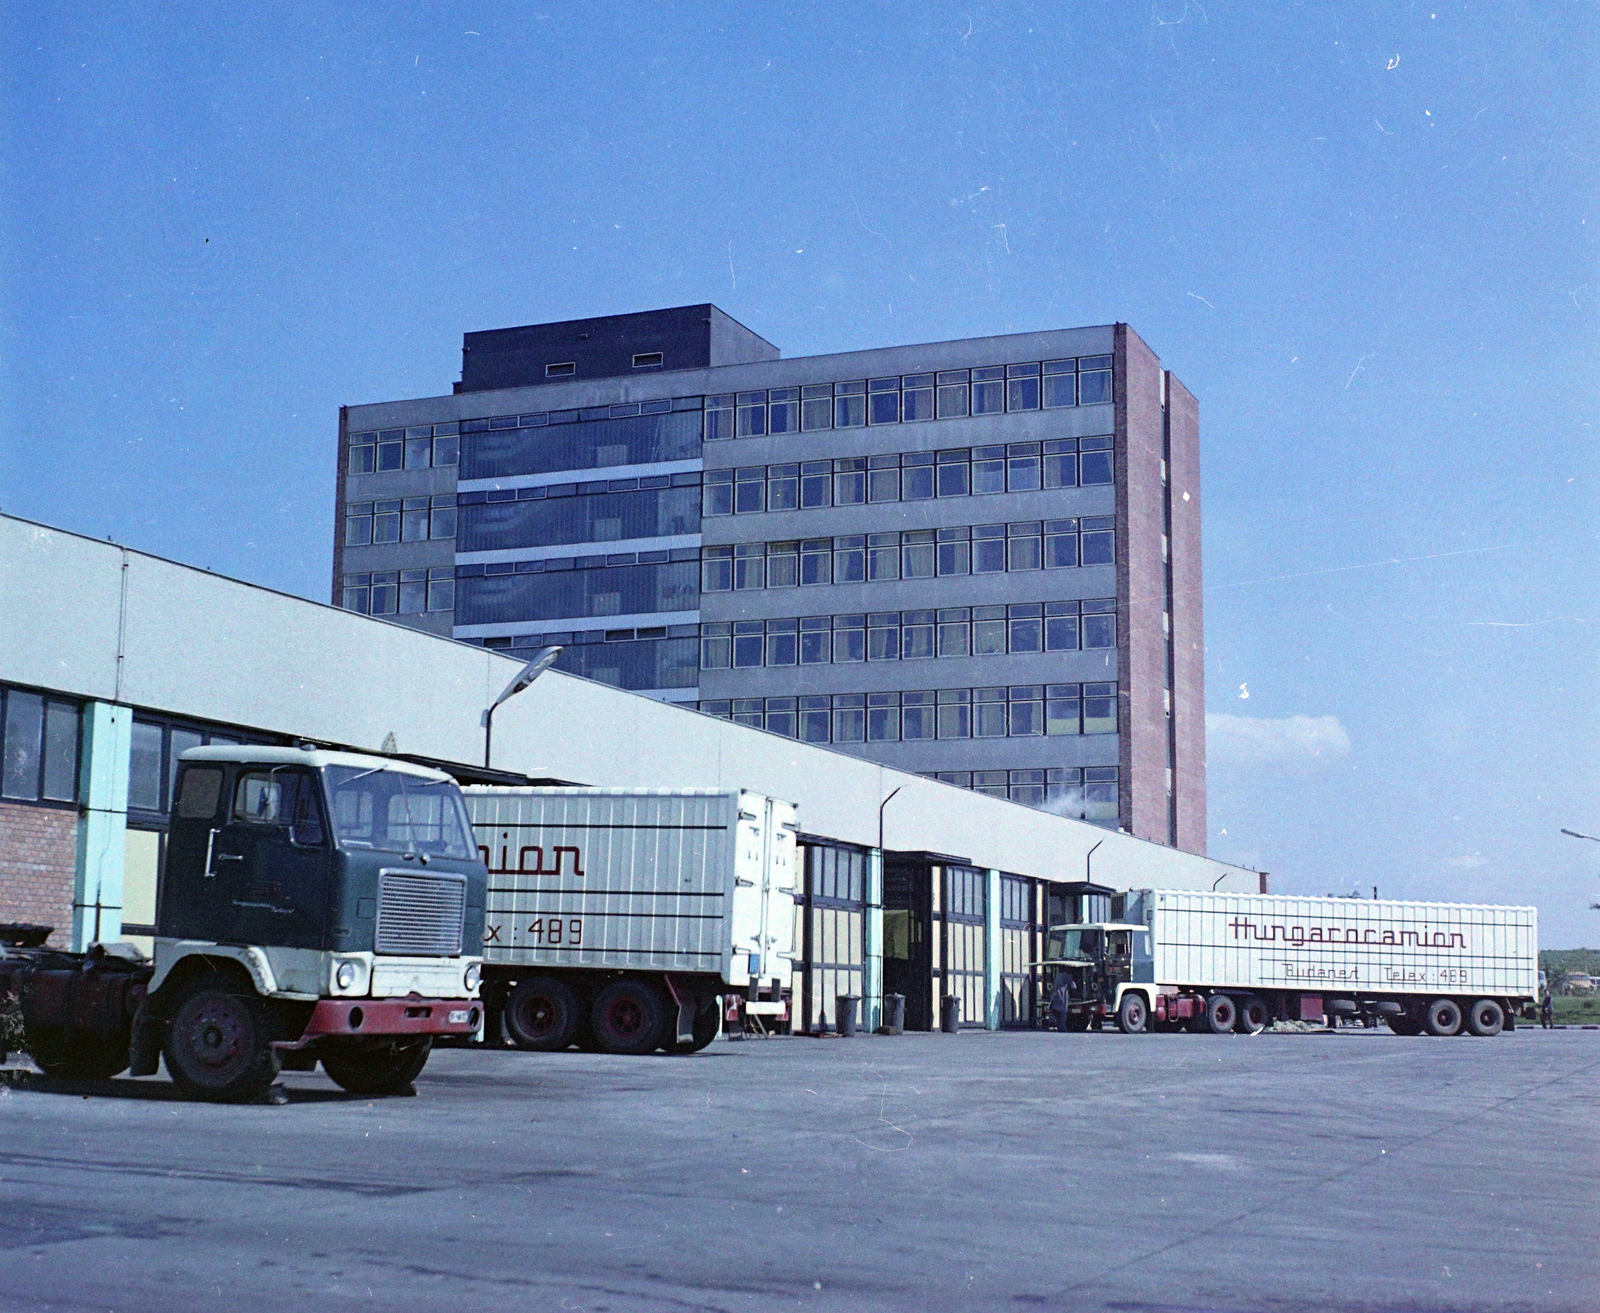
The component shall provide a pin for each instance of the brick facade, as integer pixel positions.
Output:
(38, 857)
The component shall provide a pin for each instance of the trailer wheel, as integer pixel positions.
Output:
(1443, 1017)
(1220, 1014)
(219, 1046)
(1485, 1017)
(1403, 1023)
(1253, 1016)
(74, 1054)
(542, 1014)
(385, 1068)
(1132, 1014)
(629, 1016)
(707, 1022)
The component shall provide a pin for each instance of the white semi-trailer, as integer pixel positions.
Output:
(616, 918)
(1223, 962)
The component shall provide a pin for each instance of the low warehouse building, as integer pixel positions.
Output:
(112, 662)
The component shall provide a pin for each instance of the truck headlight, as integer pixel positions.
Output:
(346, 975)
(470, 977)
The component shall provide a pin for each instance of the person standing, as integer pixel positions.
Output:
(1547, 1012)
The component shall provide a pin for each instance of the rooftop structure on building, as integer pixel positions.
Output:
(977, 560)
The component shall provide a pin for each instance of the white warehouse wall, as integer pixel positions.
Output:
(96, 620)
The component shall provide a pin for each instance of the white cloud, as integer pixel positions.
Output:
(1470, 862)
(1293, 743)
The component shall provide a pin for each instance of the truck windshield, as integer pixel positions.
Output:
(395, 811)
(1072, 945)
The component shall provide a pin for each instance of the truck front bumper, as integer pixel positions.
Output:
(349, 1018)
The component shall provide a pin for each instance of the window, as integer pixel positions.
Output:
(1025, 626)
(391, 450)
(955, 632)
(749, 489)
(1099, 708)
(1099, 625)
(781, 717)
(414, 519)
(916, 634)
(419, 449)
(1094, 380)
(716, 569)
(917, 553)
(989, 713)
(716, 646)
(1094, 461)
(442, 588)
(988, 548)
(816, 484)
(850, 559)
(1061, 626)
(717, 493)
(1060, 544)
(413, 592)
(783, 564)
(988, 630)
(954, 551)
(749, 643)
(783, 487)
(816, 407)
(952, 394)
(883, 636)
(565, 369)
(752, 416)
(783, 646)
(1062, 709)
(358, 524)
(883, 478)
(849, 405)
(988, 390)
(917, 397)
(362, 457)
(1060, 383)
(988, 470)
(749, 566)
(849, 718)
(1099, 540)
(385, 592)
(883, 717)
(849, 638)
(39, 739)
(386, 522)
(816, 561)
(916, 476)
(719, 418)
(883, 557)
(814, 719)
(849, 482)
(783, 410)
(953, 470)
(1061, 463)
(1022, 467)
(647, 360)
(917, 715)
(1025, 711)
(1022, 546)
(955, 713)
(816, 640)
(884, 398)
(1022, 387)
(442, 516)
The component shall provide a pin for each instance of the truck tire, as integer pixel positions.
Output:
(1443, 1017)
(1133, 1014)
(219, 1045)
(1253, 1016)
(75, 1054)
(1485, 1017)
(629, 1016)
(1403, 1023)
(387, 1067)
(542, 1014)
(1221, 1013)
(707, 1022)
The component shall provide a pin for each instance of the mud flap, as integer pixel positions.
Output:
(687, 1006)
(144, 1046)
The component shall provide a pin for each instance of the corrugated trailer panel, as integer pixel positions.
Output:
(1342, 944)
(608, 878)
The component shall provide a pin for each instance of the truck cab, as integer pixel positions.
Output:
(314, 905)
(1085, 967)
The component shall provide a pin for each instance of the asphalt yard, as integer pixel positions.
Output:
(1147, 1174)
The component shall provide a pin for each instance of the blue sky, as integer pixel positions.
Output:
(1364, 236)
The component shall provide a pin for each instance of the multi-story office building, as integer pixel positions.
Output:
(978, 560)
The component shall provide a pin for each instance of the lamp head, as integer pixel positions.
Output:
(530, 672)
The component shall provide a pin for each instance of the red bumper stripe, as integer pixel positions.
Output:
(393, 1016)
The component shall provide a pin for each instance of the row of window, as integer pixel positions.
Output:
(1024, 711)
(1022, 627)
(947, 394)
(153, 765)
(555, 588)
(39, 742)
(1087, 794)
(403, 520)
(912, 554)
(910, 476)
(602, 515)
(420, 447)
(401, 592)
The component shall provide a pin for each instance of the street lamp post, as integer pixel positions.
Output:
(525, 676)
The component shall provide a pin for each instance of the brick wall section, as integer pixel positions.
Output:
(1188, 629)
(38, 857)
(1141, 590)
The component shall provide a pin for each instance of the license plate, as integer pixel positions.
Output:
(459, 1017)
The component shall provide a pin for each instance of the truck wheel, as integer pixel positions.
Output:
(1485, 1017)
(542, 1014)
(76, 1055)
(1132, 1014)
(1403, 1023)
(219, 1046)
(707, 1022)
(385, 1068)
(629, 1016)
(1443, 1017)
(1253, 1016)
(1220, 1014)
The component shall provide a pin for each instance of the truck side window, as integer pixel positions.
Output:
(1117, 943)
(197, 797)
(305, 828)
(258, 798)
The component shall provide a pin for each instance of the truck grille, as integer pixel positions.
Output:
(420, 915)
